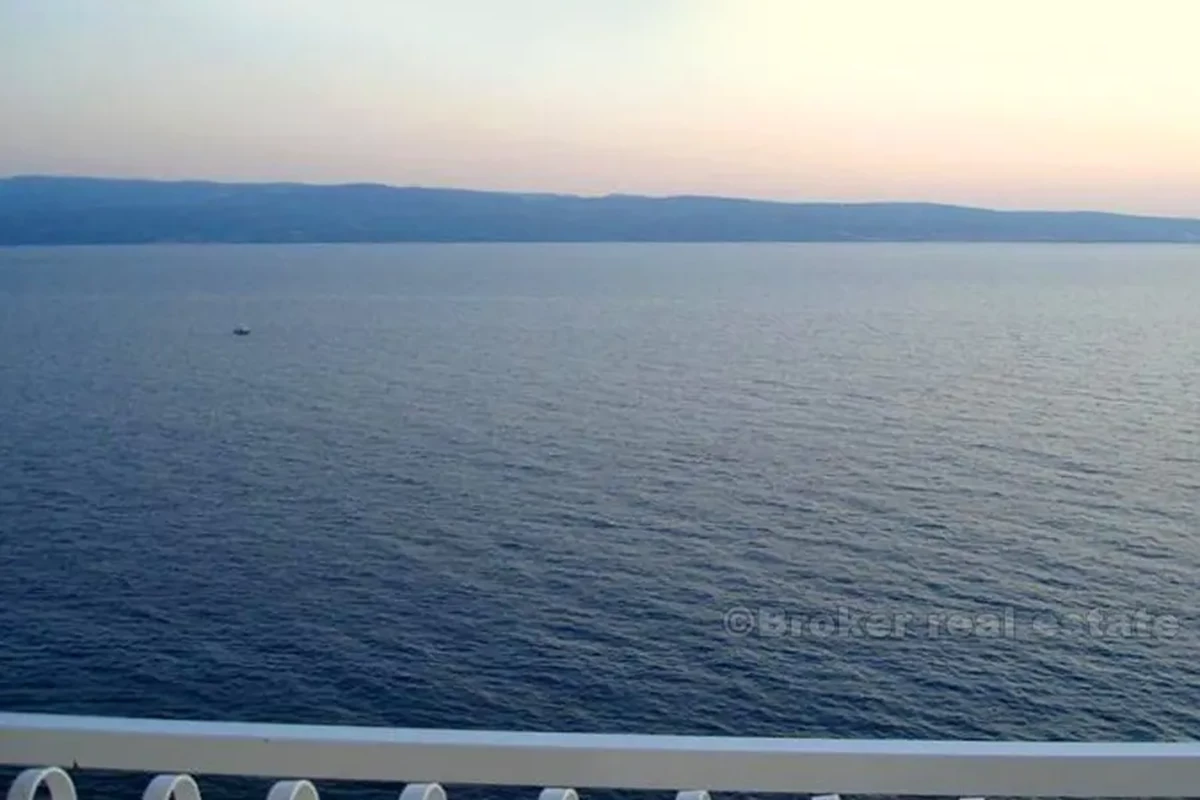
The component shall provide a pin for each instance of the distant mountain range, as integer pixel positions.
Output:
(68, 210)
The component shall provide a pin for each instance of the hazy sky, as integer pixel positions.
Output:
(1007, 103)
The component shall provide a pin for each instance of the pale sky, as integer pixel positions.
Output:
(1003, 103)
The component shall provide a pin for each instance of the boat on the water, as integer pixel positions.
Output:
(241, 330)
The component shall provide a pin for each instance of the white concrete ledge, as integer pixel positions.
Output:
(800, 766)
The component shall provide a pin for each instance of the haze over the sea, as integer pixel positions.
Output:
(1066, 104)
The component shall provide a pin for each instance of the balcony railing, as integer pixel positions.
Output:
(174, 751)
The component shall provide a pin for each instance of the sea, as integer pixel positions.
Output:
(833, 490)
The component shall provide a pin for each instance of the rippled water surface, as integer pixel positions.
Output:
(524, 486)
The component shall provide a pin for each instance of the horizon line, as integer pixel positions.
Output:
(607, 195)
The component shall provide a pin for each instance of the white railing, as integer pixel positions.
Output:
(425, 759)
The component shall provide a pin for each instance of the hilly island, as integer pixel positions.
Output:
(48, 210)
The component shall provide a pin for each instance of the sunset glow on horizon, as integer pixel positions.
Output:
(1017, 104)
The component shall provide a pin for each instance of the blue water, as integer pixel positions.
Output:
(522, 486)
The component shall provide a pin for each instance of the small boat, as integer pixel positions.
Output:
(241, 330)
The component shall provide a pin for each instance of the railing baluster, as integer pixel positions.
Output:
(423, 791)
(172, 787)
(25, 785)
(293, 790)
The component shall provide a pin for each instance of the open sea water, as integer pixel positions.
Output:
(812, 490)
